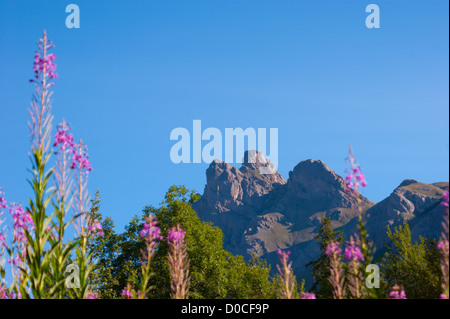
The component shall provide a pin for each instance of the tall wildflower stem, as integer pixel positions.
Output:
(44, 92)
(443, 247)
(84, 225)
(3, 205)
(63, 183)
(151, 234)
(336, 271)
(354, 180)
(355, 280)
(397, 292)
(286, 275)
(40, 129)
(354, 255)
(178, 263)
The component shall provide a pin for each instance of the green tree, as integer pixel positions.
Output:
(414, 266)
(215, 272)
(248, 280)
(321, 267)
(113, 255)
(105, 250)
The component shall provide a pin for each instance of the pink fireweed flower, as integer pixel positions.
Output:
(4, 293)
(442, 296)
(397, 293)
(44, 67)
(80, 159)
(92, 295)
(13, 295)
(22, 222)
(443, 245)
(127, 294)
(175, 236)
(308, 295)
(353, 253)
(281, 254)
(333, 249)
(96, 228)
(63, 139)
(150, 230)
(2, 241)
(445, 199)
(355, 177)
(3, 204)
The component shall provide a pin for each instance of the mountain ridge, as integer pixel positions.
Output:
(260, 214)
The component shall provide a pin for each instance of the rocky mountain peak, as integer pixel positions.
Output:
(407, 182)
(316, 187)
(219, 169)
(229, 188)
(317, 171)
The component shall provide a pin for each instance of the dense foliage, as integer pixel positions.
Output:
(215, 272)
(412, 265)
(321, 267)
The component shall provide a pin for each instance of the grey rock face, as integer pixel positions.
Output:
(233, 197)
(411, 201)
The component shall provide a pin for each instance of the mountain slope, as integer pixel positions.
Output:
(412, 201)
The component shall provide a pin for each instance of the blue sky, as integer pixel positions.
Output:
(135, 70)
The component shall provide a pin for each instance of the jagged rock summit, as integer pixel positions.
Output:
(232, 197)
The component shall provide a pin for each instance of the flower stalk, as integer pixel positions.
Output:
(178, 263)
(286, 275)
(40, 129)
(443, 248)
(85, 226)
(63, 182)
(336, 270)
(151, 235)
(354, 255)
